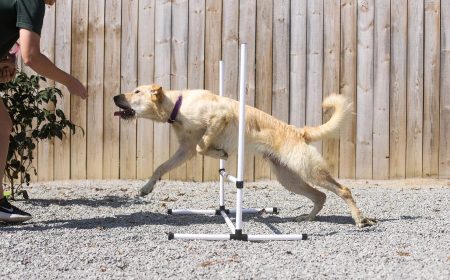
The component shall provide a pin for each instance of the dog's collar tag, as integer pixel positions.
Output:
(175, 110)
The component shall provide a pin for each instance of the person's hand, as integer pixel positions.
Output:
(6, 74)
(7, 70)
(76, 88)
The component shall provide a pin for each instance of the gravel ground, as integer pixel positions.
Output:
(100, 230)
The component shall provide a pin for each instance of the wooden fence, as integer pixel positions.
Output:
(391, 58)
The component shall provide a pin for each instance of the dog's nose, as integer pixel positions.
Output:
(116, 98)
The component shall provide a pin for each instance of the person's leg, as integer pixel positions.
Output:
(5, 131)
(8, 213)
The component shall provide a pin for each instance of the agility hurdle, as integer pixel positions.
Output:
(236, 231)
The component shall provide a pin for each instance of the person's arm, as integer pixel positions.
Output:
(32, 56)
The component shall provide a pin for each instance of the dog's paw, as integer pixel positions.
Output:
(224, 157)
(145, 190)
(366, 222)
(304, 218)
(222, 154)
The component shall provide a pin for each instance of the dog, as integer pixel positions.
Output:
(207, 124)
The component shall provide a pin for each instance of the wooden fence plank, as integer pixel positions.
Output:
(230, 56)
(178, 69)
(63, 50)
(382, 56)
(96, 43)
(348, 87)
(212, 49)
(128, 83)
(331, 62)
(196, 59)
(146, 64)
(163, 20)
(432, 45)
(111, 124)
(364, 105)
(399, 34)
(280, 80)
(263, 98)
(297, 96)
(444, 144)
(314, 80)
(280, 62)
(44, 157)
(414, 107)
(77, 105)
(247, 34)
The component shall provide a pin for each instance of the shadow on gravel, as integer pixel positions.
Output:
(270, 221)
(151, 218)
(110, 201)
(118, 221)
(332, 219)
(336, 219)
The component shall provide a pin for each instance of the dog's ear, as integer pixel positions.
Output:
(157, 93)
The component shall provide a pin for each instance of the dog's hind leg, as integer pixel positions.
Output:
(326, 181)
(184, 153)
(292, 182)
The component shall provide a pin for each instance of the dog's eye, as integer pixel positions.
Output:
(137, 91)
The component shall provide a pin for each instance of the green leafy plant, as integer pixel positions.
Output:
(32, 122)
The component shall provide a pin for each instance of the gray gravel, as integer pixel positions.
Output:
(100, 230)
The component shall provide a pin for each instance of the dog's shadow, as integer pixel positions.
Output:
(147, 217)
(272, 221)
(154, 218)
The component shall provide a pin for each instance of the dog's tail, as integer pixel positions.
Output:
(342, 109)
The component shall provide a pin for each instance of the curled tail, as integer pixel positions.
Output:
(342, 109)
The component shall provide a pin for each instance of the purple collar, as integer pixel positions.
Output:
(175, 110)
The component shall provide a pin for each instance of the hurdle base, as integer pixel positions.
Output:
(236, 234)
(268, 210)
(243, 237)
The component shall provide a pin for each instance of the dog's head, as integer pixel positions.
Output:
(143, 102)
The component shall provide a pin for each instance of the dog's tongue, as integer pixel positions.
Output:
(118, 113)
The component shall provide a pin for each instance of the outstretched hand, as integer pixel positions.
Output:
(75, 87)
(7, 70)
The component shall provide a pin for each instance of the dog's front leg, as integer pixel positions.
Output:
(215, 126)
(184, 153)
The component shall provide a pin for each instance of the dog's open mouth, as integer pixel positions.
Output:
(125, 113)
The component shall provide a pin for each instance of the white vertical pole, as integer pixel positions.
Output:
(240, 171)
(221, 162)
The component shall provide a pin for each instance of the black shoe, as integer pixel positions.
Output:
(12, 214)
